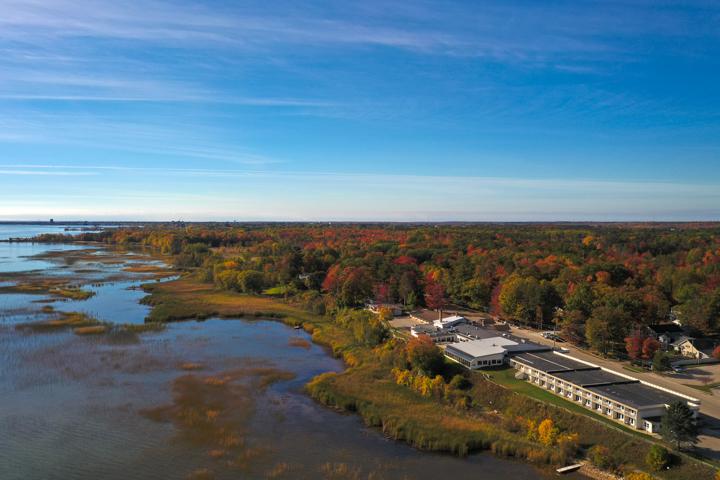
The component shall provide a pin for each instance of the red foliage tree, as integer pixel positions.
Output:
(424, 355)
(332, 279)
(405, 260)
(634, 345)
(649, 347)
(716, 352)
(435, 296)
(382, 293)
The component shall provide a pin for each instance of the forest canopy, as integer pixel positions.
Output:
(597, 283)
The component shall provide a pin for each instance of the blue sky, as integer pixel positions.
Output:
(374, 110)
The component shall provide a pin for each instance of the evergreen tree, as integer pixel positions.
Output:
(679, 426)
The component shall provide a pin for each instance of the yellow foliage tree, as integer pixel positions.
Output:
(385, 314)
(547, 432)
(639, 476)
(568, 443)
(531, 430)
(425, 386)
(588, 240)
(438, 386)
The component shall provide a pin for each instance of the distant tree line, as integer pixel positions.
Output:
(598, 284)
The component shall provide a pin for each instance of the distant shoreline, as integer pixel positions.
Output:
(459, 223)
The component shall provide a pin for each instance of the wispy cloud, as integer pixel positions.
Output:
(54, 173)
(459, 184)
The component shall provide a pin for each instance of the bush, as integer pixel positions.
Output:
(657, 458)
(250, 281)
(424, 355)
(661, 362)
(639, 476)
(599, 455)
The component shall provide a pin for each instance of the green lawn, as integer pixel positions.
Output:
(635, 369)
(704, 388)
(277, 291)
(506, 378)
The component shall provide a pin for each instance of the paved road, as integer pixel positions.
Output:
(709, 407)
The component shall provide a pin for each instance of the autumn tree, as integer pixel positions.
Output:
(382, 293)
(605, 329)
(371, 331)
(424, 356)
(435, 296)
(408, 288)
(649, 347)
(601, 457)
(356, 287)
(528, 300)
(547, 432)
(716, 353)
(250, 281)
(634, 345)
(385, 314)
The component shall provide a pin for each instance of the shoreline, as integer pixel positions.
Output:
(197, 300)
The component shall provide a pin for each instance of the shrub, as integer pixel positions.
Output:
(568, 444)
(424, 355)
(661, 362)
(639, 476)
(599, 455)
(657, 458)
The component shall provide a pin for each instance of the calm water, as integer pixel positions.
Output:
(76, 407)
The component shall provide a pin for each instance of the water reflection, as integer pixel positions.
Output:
(73, 406)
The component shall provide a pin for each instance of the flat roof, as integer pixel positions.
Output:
(586, 378)
(476, 332)
(637, 394)
(549, 362)
(526, 347)
(481, 347)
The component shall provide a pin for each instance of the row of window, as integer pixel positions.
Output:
(474, 363)
(566, 389)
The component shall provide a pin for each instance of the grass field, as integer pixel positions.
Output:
(186, 298)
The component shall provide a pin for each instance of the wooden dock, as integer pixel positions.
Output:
(569, 468)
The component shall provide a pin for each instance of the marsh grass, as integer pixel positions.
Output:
(84, 324)
(63, 321)
(299, 342)
(186, 299)
(214, 412)
(143, 327)
(190, 366)
(49, 287)
(93, 330)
